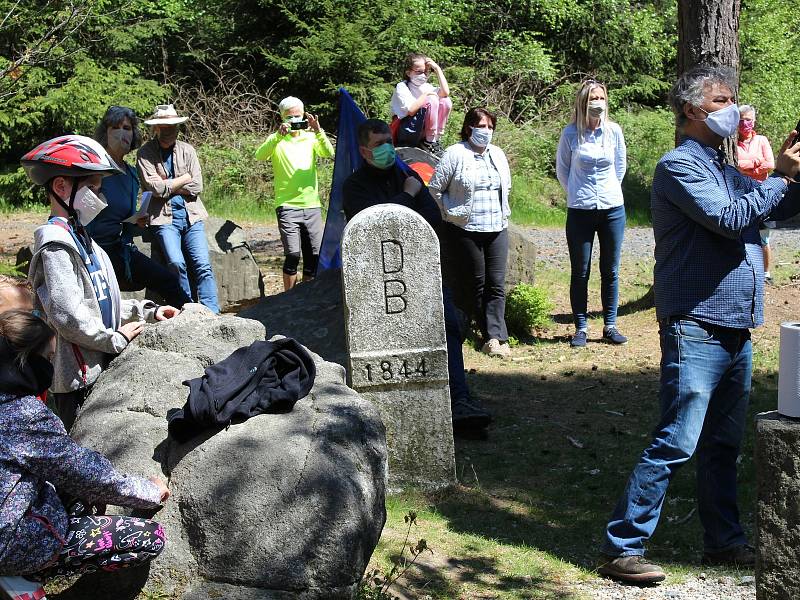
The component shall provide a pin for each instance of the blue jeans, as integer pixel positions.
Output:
(178, 238)
(609, 224)
(705, 389)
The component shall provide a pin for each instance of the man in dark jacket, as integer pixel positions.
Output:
(380, 180)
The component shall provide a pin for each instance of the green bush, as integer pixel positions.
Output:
(527, 308)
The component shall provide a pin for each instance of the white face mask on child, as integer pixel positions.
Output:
(88, 205)
(419, 79)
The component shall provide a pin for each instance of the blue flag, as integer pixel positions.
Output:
(346, 161)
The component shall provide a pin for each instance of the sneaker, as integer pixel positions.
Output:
(20, 588)
(434, 148)
(496, 348)
(634, 569)
(613, 336)
(579, 339)
(468, 413)
(738, 556)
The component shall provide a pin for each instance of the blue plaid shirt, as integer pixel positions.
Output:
(706, 215)
(487, 210)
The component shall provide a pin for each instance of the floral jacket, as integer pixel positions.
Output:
(36, 454)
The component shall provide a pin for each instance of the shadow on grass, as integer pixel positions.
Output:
(558, 456)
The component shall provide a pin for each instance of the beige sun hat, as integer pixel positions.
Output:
(165, 115)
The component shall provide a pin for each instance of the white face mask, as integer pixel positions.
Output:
(724, 122)
(597, 108)
(119, 140)
(87, 204)
(419, 79)
(481, 137)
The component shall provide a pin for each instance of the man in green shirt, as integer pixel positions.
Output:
(293, 150)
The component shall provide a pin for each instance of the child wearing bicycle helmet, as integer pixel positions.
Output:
(72, 277)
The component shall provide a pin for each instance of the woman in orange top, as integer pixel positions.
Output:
(753, 153)
(755, 158)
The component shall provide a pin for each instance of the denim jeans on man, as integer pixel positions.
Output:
(609, 224)
(179, 240)
(705, 387)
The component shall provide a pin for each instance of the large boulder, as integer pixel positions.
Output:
(280, 506)
(239, 280)
(311, 312)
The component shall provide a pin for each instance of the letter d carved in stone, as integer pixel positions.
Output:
(392, 254)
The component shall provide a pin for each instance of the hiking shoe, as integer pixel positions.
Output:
(579, 339)
(496, 348)
(20, 588)
(738, 556)
(469, 414)
(613, 336)
(634, 569)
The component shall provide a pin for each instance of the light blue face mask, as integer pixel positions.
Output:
(481, 137)
(724, 122)
(383, 156)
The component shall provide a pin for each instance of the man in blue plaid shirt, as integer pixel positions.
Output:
(709, 287)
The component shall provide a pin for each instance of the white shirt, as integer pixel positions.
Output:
(406, 93)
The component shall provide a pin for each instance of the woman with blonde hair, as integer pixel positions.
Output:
(590, 164)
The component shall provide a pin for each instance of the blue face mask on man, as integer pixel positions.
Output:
(384, 156)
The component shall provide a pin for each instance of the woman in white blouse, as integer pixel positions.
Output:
(471, 185)
(590, 164)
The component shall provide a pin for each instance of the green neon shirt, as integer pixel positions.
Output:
(294, 165)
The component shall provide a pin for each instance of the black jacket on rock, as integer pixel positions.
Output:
(264, 377)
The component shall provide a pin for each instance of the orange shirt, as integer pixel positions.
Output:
(752, 152)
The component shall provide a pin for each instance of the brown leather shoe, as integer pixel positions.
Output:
(739, 556)
(634, 569)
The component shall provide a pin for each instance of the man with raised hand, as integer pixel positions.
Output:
(709, 289)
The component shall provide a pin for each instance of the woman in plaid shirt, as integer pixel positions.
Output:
(472, 184)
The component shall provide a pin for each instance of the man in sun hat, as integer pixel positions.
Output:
(168, 167)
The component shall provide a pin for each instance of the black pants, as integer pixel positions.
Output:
(105, 542)
(484, 256)
(146, 273)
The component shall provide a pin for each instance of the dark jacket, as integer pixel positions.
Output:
(260, 378)
(369, 186)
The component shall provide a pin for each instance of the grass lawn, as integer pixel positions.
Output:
(527, 517)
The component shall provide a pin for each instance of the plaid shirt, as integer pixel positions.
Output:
(706, 216)
(487, 211)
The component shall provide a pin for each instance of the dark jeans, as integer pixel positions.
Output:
(455, 351)
(146, 273)
(705, 389)
(485, 255)
(609, 224)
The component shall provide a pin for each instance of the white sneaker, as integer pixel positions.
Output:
(19, 588)
(496, 348)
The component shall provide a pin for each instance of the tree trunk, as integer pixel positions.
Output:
(708, 34)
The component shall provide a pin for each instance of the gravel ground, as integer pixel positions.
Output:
(638, 242)
(692, 588)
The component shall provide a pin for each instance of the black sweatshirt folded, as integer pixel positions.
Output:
(264, 377)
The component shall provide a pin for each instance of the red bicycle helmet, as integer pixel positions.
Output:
(68, 156)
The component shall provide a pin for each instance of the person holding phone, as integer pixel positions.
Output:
(293, 150)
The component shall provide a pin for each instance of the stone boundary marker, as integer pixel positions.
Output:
(777, 461)
(397, 356)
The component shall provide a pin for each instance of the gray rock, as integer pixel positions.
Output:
(777, 465)
(239, 280)
(397, 356)
(280, 506)
(311, 312)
